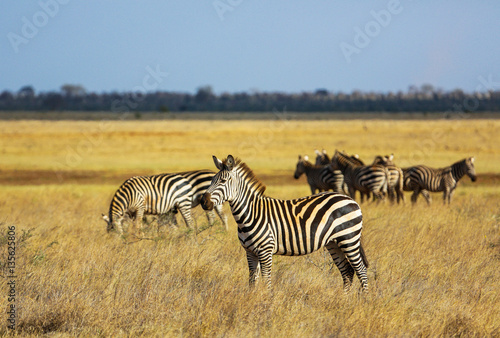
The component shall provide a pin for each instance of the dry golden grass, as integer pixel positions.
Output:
(434, 271)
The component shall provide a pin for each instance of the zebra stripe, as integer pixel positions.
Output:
(268, 226)
(200, 180)
(367, 179)
(422, 179)
(396, 177)
(319, 177)
(152, 195)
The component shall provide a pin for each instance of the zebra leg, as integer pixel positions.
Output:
(357, 258)
(340, 260)
(266, 262)
(186, 214)
(414, 196)
(253, 267)
(138, 223)
(210, 217)
(222, 215)
(427, 196)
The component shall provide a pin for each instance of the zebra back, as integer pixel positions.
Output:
(200, 180)
(366, 179)
(155, 195)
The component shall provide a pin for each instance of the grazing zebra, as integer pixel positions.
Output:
(268, 226)
(367, 179)
(422, 179)
(153, 195)
(200, 180)
(319, 177)
(396, 177)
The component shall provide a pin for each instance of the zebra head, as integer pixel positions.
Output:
(322, 157)
(112, 224)
(471, 171)
(223, 184)
(301, 166)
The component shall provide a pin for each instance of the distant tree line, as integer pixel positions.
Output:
(425, 98)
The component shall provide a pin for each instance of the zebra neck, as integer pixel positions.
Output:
(458, 170)
(244, 208)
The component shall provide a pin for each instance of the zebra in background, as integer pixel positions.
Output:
(268, 226)
(319, 177)
(322, 157)
(396, 177)
(200, 180)
(367, 179)
(150, 195)
(422, 179)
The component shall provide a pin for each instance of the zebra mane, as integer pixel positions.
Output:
(248, 175)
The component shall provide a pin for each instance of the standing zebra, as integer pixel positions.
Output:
(396, 177)
(319, 177)
(268, 226)
(153, 195)
(200, 180)
(421, 179)
(322, 157)
(367, 179)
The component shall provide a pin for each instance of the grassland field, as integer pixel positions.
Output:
(434, 271)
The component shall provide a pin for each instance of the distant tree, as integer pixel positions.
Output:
(26, 91)
(204, 94)
(52, 101)
(72, 90)
(321, 92)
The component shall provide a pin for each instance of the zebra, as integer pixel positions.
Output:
(153, 195)
(422, 179)
(396, 177)
(322, 157)
(268, 226)
(367, 179)
(200, 180)
(319, 177)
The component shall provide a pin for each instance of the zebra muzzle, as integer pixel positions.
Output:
(206, 202)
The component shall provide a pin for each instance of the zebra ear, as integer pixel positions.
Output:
(300, 158)
(218, 163)
(472, 160)
(316, 151)
(324, 151)
(106, 218)
(391, 157)
(229, 162)
(306, 158)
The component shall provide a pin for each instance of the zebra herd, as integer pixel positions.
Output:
(269, 226)
(348, 174)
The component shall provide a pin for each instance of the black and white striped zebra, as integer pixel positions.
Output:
(200, 180)
(396, 177)
(422, 179)
(268, 226)
(319, 177)
(150, 195)
(366, 179)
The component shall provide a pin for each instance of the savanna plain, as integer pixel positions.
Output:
(434, 270)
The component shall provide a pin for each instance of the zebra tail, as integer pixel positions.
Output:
(363, 255)
(387, 178)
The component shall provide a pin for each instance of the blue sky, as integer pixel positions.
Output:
(243, 45)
